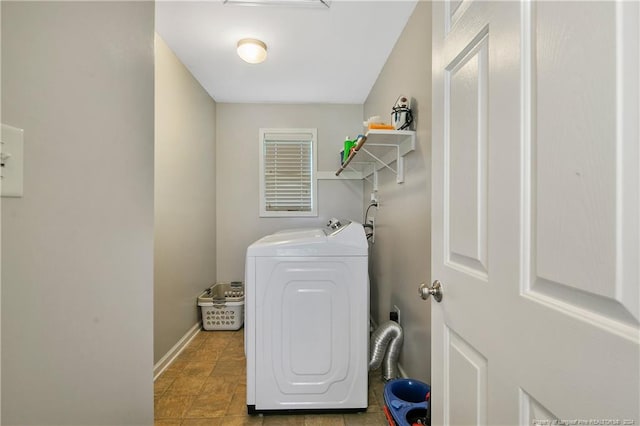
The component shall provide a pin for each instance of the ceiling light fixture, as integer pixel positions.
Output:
(252, 50)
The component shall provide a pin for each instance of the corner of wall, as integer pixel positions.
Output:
(402, 250)
(185, 204)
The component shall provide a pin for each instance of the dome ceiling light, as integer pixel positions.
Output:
(252, 50)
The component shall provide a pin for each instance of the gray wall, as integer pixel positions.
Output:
(238, 218)
(0, 224)
(77, 249)
(185, 198)
(400, 258)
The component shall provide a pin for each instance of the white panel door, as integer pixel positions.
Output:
(536, 207)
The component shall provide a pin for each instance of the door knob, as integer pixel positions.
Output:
(434, 290)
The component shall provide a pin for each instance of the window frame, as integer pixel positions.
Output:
(289, 133)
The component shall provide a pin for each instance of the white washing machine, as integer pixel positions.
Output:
(306, 320)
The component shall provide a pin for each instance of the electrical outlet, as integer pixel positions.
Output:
(11, 161)
(397, 311)
(374, 197)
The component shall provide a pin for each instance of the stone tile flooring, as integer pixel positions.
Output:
(206, 385)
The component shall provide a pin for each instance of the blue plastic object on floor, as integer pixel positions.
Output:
(407, 401)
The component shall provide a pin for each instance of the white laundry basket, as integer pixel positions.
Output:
(222, 306)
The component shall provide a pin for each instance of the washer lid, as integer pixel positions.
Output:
(349, 240)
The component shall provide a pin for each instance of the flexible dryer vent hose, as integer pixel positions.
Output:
(386, 343)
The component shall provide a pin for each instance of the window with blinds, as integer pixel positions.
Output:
(287, 172)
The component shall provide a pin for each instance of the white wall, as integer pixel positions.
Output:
(400, 258)
(77, 249)
(185, 198)
(237, 141)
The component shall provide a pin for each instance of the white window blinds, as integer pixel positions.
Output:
(288, 181)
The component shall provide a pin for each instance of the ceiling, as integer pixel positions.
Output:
(315, 54)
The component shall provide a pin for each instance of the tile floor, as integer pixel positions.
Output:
(206, 385)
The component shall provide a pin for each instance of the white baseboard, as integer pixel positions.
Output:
(170, 356)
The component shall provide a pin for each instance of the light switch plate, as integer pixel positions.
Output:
(12, 160)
